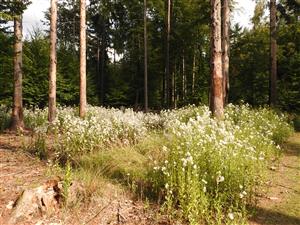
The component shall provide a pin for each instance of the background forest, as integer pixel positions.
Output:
(115, 56)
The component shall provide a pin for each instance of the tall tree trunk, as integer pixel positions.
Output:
(17, 112)
(173, 90)
(194, 73)
(103, 55)
(273, 74)
(225, 47)
(145, 59)
(53, 61)
(217, 100)
(164, 93)
(183, 78)
(83, 101)
(167, 69)
(98, 75)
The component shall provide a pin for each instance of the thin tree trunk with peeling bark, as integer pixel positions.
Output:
(145, 59)
(53, 61)
(83, 101)
(183, 78)
(273, 75)
(174, 89)
(217, 100)
(17, 112)
(102, 71)
(167, 69)
(225, 47)
(194, 73)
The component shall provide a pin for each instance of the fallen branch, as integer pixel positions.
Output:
(93, 217)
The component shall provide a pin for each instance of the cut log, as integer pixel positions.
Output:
(76, 194)
(38, 201)
(45, 200)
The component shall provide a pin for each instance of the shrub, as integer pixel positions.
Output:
(35, 118)
(38, 147)
(102, 127)
(296, 122)
(214, 167)
(4, 117)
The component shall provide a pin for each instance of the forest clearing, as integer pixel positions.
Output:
(176, 167)
(150, 112)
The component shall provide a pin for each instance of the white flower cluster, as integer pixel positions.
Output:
(102, 126)
(210, 158)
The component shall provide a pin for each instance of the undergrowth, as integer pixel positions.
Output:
(202, 169)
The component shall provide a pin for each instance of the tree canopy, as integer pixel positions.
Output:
(115, 55)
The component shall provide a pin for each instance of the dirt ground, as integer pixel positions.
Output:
(20, 171)
(279, 205)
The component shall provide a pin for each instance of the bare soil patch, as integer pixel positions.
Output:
(280, 203)
(20, 171)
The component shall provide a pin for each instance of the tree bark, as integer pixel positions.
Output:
(225, 47)
(103, 55)
(53, 62)
(217, 100)
(145, 59)
(183, 78)
(273, 39)
(98, 71)
(167, 69)
(17, 112)
(194, 73)
(83, 101)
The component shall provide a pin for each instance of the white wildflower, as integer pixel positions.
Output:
(231, 216)
(204, 181)
(220, 179)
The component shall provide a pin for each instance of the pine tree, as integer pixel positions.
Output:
(83, 101)
(225, 47)
(145, 58)
(17, 112)
(168, 78)
(273, 47)
(217, 100)
(53, 61)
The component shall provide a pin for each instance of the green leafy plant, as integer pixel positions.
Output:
(38, 146)
(67, 182)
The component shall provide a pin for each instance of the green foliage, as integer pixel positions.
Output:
(115, 56)
(6, 71)
(117, 163)
(10, 10)
(38, 146)
(4, 118)
(269, 123)
(288, 70)
(296, 122)
(249, 66)
(36, 66)
(213, 168)
(35, 117)
(207, 170)
(67, 182)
